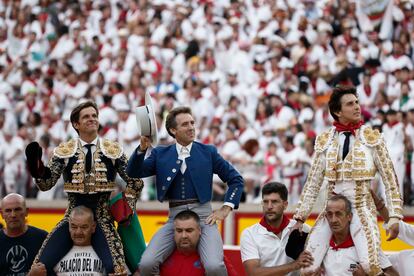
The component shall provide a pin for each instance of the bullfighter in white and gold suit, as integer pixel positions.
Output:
(349, 172)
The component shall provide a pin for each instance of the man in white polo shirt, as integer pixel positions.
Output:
(341, 258)
(263, 244)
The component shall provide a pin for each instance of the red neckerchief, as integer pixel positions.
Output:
(367, 89)
(73, 84)
(278, 109)
(294, 105)
(93, 68)
(30, 105)
(313, 83)
(348, 242)
(311, 134)
(347, 39)
(45, 106)
(50, 72)
(32, 80)
(275, 230)
(263, 84)
(350, 127)
(392, 124)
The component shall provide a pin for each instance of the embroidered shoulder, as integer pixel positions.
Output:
(65, 149)
(111, 149)
(324, 140)
(370, 137)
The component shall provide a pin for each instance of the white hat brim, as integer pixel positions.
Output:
(146, 119)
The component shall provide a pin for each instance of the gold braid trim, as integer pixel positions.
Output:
(134, 185)
(312, 187)
(385, 167)
(373, 246)
(370, 137)
(66, 149)
(350, 175)
(111, 149)
(105, 221)
(119, 270)
(96, 187)
(324, 140)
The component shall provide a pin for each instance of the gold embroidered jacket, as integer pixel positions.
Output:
(368, 156)
(69, 159)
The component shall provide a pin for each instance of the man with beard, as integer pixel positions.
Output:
(184, 176)
(185, 259)
(263, 244)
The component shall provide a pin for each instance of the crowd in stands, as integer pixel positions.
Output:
(256, 73)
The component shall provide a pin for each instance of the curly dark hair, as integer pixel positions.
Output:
(336, 96)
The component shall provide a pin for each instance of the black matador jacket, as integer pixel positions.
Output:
(91, 189)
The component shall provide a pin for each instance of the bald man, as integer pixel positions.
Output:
(19, 242)
(82, 258)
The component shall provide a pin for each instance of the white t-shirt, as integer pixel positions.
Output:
(80, 261)
(403, 262)
(258, 243)
(338, 262)
(406, 233)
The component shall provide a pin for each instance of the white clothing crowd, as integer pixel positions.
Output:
(256, 73)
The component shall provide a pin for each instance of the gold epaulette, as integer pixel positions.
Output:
(370, 137)
(111, 149)
(323, 140)
(66, 149)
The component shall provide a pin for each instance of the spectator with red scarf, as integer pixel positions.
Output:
(342, 258)
(263, 244)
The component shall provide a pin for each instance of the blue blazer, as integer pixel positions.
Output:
(204, 161)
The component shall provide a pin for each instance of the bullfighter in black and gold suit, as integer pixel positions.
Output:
(89, 166)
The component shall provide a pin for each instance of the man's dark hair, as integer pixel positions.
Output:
(74, 115)
(277, 188)
(171, 122)
(336, 96)
(187, 214)
(348, 204)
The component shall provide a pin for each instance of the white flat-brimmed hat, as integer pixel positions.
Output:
(146, 119)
